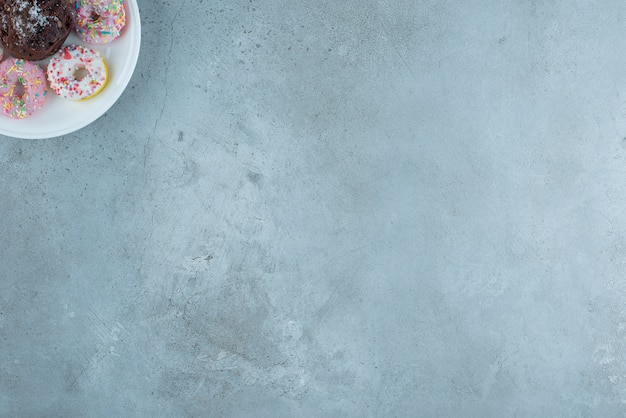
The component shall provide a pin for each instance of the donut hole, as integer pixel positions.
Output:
(95, 17)
(19, 90)
(80, 73)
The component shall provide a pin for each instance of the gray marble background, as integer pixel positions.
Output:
(355, 208)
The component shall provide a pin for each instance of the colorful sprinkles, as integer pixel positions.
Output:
(22, 88)
(99, 21)
(64, 65)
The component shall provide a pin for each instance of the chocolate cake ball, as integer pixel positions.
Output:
(34, 29)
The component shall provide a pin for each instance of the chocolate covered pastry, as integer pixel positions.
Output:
(34, 29)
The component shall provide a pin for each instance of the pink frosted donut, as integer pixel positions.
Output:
(22, 88)
(99, 21)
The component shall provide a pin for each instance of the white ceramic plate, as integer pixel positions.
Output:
(60, 117)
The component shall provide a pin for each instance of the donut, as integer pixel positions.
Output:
(34, 29)
(99, 21)
(64, 71)
(22, 88)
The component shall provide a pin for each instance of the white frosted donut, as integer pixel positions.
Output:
(70, 60)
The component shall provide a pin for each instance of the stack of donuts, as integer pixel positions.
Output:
(32, 34)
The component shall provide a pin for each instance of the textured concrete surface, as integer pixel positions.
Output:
(359, 208)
